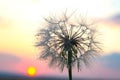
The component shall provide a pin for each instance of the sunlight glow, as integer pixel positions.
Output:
(31, 71)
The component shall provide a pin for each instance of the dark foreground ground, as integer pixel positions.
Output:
(45, 78)
(4, 76)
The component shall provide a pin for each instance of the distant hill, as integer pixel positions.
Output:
(13, 76)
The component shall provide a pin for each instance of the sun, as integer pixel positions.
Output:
(31, 71)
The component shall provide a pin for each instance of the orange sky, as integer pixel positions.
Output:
(19, 23)
(20, 20)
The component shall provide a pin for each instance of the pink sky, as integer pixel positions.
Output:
(20, 20)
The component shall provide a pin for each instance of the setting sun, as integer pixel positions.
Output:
(31, 71)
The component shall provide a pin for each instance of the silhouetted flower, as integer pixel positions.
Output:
(67, 43)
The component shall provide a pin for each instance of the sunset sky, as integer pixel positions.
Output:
(21, 19)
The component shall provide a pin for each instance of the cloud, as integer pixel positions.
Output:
(8, 59)
(107, 67)
(115, 19)
(111, 61)
(8, 62)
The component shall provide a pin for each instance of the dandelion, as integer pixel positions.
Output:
(67, 43)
